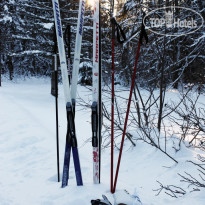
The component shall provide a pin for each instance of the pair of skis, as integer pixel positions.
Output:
(70, 90)
(142, 35)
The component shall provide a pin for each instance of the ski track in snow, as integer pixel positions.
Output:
(28, 155)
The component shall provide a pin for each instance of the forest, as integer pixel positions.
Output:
(28, 42)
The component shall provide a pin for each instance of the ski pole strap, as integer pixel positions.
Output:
(143, 33)
(120, 32)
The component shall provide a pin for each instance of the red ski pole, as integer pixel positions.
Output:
(142, 34)
(120, 34)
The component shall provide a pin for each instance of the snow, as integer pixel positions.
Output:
(6, 18)
(31, 52)
(28, 169)
(6, 8)
(48, 25)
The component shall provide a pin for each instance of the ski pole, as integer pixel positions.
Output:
(55, 93)
(56, 99)
(100, 91)
(142, 34)
(112, 101)
(119, 31)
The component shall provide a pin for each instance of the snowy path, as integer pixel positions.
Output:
(28, 155)
(28, 147)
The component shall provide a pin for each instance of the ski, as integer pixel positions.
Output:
(71, 140)
(96, 94)
(78, 42)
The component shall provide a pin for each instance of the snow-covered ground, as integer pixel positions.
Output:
(28, 173)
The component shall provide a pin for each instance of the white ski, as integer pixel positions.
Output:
(61, 50)
(78, 43)
(95, 93)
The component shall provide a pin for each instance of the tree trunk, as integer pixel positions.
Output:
(10, 67)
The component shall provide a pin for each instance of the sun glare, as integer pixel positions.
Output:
(90, 3)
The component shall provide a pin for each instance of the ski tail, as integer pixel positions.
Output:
(95, 143)
(71, 137)
(77, 166)
(66, 165)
